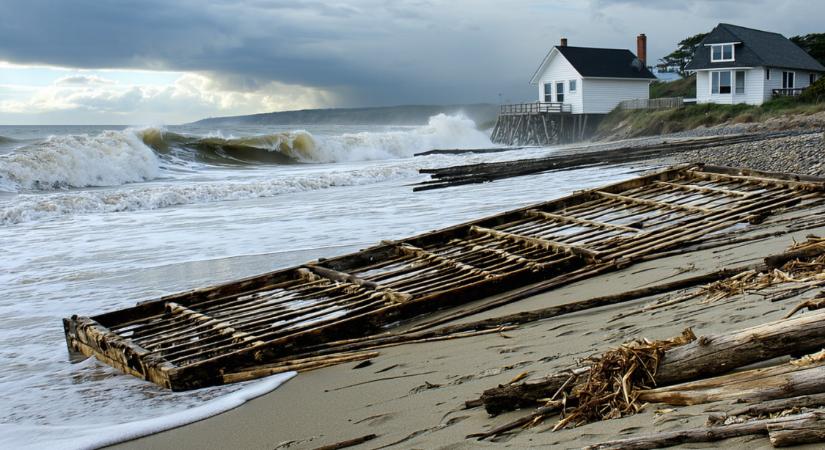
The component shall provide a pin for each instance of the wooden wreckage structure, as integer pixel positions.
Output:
(344, 308)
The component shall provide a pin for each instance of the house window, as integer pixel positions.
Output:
(720, 82)
(813, 78)
(767, 73)
(548, 92)
(721, 52)
(788, 80)
(571, 86)
(740, 81)
(560, 92)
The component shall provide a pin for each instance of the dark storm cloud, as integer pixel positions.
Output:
(366, 51)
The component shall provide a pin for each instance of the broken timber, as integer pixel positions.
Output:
(574, 158)
(194, 339)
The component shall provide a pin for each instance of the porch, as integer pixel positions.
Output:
(535, 108)
(788, 92)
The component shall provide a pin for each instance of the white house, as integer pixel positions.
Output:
(735, 64)
(593, 80)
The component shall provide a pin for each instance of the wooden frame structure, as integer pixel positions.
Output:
(193, 339)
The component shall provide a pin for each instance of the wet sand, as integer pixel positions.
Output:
(412, 396)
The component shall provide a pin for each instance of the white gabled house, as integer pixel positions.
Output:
(735, 64)
(593, 80)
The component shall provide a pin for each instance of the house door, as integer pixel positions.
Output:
(788, 80)
(560, 92)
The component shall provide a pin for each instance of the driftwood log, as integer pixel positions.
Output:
(806, 429)
(772, 406)
(717, 433)
(755, 385)
(715, 354)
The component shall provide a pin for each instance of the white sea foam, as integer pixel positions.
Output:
(29, 207)
(109, 159)
(441, 132)
(97, 436)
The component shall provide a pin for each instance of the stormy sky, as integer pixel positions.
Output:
(164, 61)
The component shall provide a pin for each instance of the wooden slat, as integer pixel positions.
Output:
(713, 176)
(421, 253)
(533, 241)
(335, 275)
(705, 189)
(658, 204)
(570, 219)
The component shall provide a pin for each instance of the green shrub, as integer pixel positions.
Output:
(815, 93)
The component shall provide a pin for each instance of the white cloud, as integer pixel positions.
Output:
(190, 97)
(82, 80)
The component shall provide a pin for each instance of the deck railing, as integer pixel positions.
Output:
(787, 92)
(537, 107)
(652, 103)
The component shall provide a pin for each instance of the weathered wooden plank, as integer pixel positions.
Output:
(654, 203)
(570, 219)
(542, 243)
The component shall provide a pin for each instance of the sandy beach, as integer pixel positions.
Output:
(412, 396)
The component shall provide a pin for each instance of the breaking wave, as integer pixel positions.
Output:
(32, 207)
(108, 159)
(119, 157)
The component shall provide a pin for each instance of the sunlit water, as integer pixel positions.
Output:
(94, 220)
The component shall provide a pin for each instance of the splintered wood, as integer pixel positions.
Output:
(222, 334)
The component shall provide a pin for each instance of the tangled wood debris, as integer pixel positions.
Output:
(611, 388)
(688, 370)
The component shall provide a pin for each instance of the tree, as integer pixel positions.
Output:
(680, 57)
(813, 43)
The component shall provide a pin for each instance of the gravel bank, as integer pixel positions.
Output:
(803, 154)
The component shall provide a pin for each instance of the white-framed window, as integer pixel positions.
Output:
(721, 52)
(720, 82)
(788, 80)
(813, 78)
(571, 86)
(560, 91)
(740, 82)
(767, 73)
(548, 92)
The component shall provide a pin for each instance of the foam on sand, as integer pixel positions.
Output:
(90, 437)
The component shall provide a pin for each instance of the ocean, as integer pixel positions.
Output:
(97, 218)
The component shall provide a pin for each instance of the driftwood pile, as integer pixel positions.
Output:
(575, 158)
(689, 370)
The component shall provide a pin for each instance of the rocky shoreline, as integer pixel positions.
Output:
(802, 153)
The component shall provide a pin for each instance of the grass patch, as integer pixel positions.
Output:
(652, 122)
(685, 87)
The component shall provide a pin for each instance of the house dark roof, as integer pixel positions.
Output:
(605, 62)
(756, 48)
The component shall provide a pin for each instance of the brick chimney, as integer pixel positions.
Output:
(563, 42)
(641, 48)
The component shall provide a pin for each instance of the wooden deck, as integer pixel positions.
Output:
(200, 338)
(536, 108)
